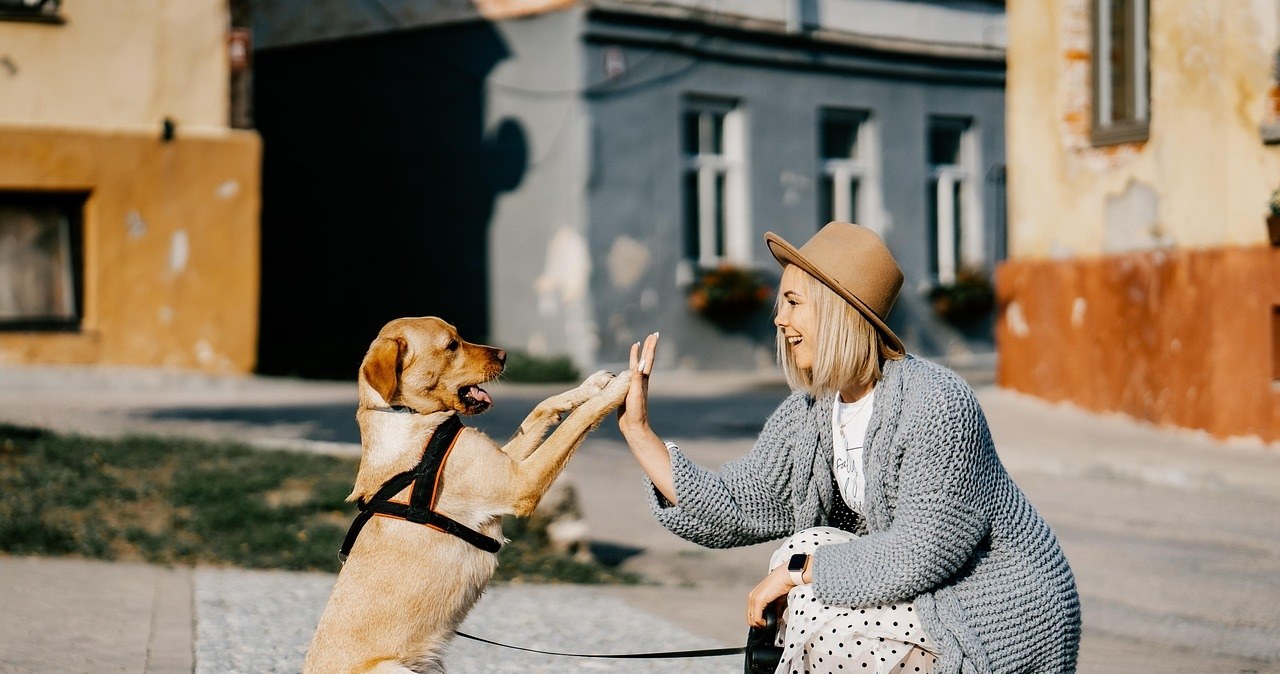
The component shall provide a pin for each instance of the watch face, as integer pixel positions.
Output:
(797, 562)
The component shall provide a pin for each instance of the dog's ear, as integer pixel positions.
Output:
(381, 367)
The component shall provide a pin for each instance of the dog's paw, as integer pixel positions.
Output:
(597, 382)
(616, 391)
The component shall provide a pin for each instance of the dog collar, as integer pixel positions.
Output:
(425, 482)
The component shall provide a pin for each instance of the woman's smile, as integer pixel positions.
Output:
(795, 316)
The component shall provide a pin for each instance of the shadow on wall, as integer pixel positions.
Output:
(378, 186)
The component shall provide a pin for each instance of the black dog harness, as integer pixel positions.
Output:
(425, 480)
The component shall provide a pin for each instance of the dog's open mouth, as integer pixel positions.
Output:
(474, 399)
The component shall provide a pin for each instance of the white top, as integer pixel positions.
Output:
(848, 431)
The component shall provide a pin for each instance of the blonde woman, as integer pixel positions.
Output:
(908, 547)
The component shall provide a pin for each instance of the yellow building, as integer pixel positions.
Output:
(128, 206)
(1142, 156)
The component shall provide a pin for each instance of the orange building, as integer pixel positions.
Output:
(1142, 155)
(128, 206)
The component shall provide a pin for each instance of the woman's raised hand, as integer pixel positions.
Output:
(633, 415)
(633, 421)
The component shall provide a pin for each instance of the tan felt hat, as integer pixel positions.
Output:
(853, 261)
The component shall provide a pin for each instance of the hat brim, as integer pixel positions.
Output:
(786, 254)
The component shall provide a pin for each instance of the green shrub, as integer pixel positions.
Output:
(526, 368)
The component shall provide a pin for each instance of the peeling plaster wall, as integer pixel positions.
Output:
(635, 184)
(170, 246)
(1211, 71)
(119, 64)
(1140, 279)
(1177, 337)
(542, 264)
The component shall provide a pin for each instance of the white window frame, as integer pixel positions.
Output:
(861, 167)
(950, 257)
(730, 164)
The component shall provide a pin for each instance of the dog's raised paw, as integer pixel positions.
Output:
(617, 389)
(596, 382)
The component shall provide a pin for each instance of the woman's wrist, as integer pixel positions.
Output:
(636, 430)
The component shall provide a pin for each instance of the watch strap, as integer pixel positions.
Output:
(795, 568)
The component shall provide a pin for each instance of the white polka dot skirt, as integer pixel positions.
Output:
(819, 638)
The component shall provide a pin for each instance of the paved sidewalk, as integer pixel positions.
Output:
(1172, 535)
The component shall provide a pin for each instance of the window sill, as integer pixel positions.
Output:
(1119, 134)
(1270, 133)
(31, 17)
(40, 326)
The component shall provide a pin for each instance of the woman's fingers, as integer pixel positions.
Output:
(650, 352)
(774, 585)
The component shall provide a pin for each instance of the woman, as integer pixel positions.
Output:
(910, 549)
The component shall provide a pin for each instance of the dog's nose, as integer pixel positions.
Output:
(502, 356)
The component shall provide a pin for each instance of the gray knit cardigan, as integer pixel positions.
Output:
(946, 525)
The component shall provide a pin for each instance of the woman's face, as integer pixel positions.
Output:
(796, 318)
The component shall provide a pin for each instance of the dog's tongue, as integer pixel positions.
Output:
(480, 395)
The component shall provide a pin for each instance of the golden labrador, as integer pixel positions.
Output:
(407, 586)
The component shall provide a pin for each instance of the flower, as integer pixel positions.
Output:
(727, 293)
(1275, 202)
(966, 301)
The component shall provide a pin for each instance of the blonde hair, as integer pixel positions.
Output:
(848, 350)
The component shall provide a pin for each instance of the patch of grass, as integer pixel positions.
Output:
(185, 502)
(526, 368)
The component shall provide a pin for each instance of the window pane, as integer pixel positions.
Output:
(690, 133)
(826, 200)
(853, 201)
(691, 248)
(956, 208)
(932, 238)
(839, 138)
(944, 143)
(716, 146)
(37, 275)
(719, 224)
(1119, 60)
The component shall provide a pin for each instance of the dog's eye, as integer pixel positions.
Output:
(452, 345)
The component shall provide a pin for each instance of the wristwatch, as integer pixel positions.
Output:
(795, 567)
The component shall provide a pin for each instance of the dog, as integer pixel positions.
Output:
(407, 586)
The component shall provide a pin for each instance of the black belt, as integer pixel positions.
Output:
(420, 509)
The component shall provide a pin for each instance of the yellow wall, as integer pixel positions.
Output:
(119, 64)
(170, 246)
(171, 240)
(1204, 161)
(1140, 278)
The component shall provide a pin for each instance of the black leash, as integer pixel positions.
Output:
(704, 653)
(422, 502)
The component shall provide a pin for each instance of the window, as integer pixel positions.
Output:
(955, 210)
(1121, 91)
(43, 11)
(40, 261)
(849, 187)
(715, 222)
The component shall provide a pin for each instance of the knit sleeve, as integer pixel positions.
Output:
(940, 518)
(747, 501)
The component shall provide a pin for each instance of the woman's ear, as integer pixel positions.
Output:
(381, 367)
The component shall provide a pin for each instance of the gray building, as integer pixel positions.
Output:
(557, 176)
